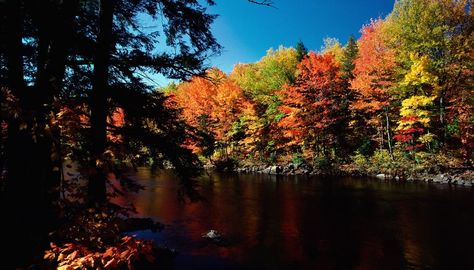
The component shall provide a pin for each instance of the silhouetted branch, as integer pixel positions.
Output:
(267, 3)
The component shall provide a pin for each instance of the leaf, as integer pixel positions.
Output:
(72, 256)
(111, 263)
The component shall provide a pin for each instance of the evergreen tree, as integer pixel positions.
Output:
(350, 53)
(301, 50)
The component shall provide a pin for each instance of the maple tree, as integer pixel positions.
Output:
(373, 71)
(261, 82)
(414, 122)
(211, 104)
(314, 105)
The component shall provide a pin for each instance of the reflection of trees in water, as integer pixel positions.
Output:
(307, 223)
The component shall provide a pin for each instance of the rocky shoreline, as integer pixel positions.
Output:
(460, 177)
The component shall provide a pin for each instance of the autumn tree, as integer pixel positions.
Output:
(314, 106)
(211, 104)
(413, 126)
(333, 46)
(440, 32)
(373, 77)
(261, 82)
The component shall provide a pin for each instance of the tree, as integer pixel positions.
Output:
(261, 82)
(348, 57)
(301, 50)
(414, 122)
(66, 53)
(211, 104)
(439, 31)
(134, 53)
(333, 46)
(373, 77)
(313, 106)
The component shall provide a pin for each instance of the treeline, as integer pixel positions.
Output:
(398, 98)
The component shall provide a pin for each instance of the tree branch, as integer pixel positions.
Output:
(267, 3)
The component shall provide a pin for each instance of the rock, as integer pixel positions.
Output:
(215, 238)
(288, 169)
(301, 171)
(275, 170)
(212, 234)
(305, 167)
(381, 176)
(266, 170)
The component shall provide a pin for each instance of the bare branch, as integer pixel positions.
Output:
(267, 3)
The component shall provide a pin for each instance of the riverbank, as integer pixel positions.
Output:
(459, 176)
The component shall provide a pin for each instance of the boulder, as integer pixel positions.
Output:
(275, 170)
(266, 170)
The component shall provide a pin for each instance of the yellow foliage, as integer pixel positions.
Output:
(419, 75)
(426, 138)
(415, 106)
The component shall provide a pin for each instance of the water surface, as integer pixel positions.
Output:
(300, 222)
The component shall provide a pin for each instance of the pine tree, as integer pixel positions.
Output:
(301, 50)
(350, 53)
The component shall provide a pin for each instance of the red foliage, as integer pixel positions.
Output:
(122, 256)
(313, 105)
(373, 71)
(212, 104)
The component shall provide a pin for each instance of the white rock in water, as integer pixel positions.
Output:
(380, 175)
(212, 234)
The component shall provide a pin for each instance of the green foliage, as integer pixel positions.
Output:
(301, 50)
(334, 47)
(417, 26)
(322, 162)
(347, 60)
(297, 159)
(360, 162)
(262, 79)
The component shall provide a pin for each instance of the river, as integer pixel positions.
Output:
(298, 222)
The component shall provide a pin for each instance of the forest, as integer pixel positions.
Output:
(398, 100)
(75, 89)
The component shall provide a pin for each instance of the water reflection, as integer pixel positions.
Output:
(301, 223)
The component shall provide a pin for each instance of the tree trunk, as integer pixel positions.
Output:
(381, 134)
(389, 137)
(97, 181)
(23, 200)
(441, 119)
(51, 70)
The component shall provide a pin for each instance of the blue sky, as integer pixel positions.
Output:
(247, 31)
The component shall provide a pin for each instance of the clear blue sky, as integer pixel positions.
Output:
(247, 31)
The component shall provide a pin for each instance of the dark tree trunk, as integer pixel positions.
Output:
(51, 70)
(22, 201)
(97, 181)
(32, 141)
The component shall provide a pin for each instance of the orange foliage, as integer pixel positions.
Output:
(212, 104)
(313, 104)
(123, 256)
(373, 70)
